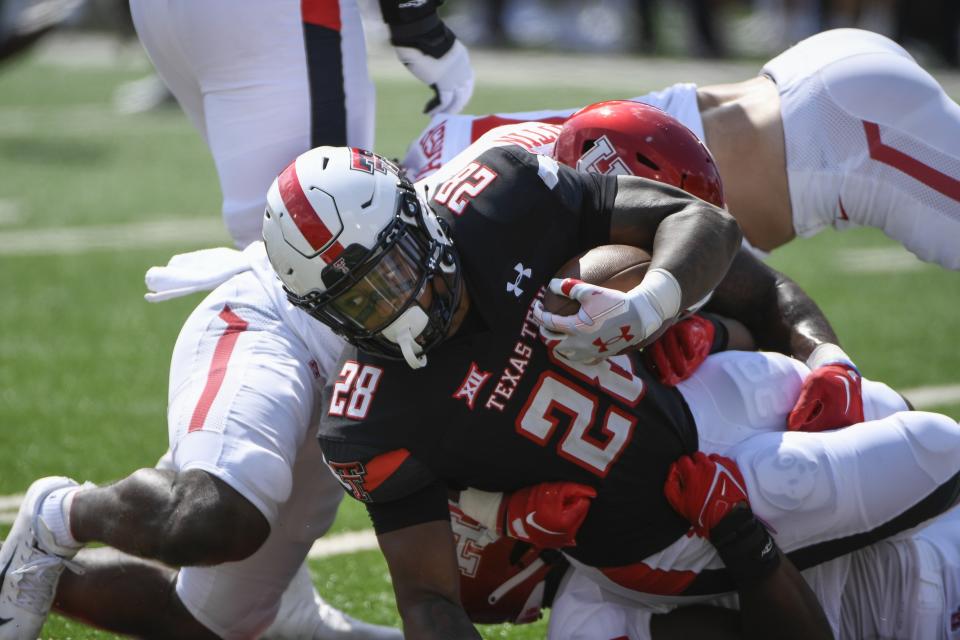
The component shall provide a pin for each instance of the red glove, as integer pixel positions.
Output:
(547, 515)
(703, 489)
(680, 350)
(830, 398)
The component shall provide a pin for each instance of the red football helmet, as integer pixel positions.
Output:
(623, 137)
(503, 579)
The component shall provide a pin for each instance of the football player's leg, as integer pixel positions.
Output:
(737, 394)
(299, 85)
(240, 404)
(832, 492)
(582, 610)
(932, 604)
(871, 140)
(157, 29)
(127, 595)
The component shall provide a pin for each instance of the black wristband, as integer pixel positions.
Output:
(721, 335)
(745, 546)
(397, 12)
(435, 42)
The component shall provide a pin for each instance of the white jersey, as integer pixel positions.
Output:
(871, 140)
(448, 135)
(246, 377)
(903, 588)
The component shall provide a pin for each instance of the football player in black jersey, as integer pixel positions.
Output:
(496, 408)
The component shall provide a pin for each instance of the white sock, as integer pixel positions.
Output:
(55, 513)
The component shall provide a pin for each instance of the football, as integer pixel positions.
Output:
(615, 266)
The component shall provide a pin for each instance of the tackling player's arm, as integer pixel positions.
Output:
(779, 314)
(710, 493)
(782, 317)
(781, 602)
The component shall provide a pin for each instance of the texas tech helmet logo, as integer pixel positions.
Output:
(602, 158)
(363, 160)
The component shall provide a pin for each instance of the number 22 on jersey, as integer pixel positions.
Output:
(468, 183)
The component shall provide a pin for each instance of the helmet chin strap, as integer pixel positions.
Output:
(404, 331)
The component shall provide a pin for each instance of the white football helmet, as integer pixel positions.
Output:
(356, 249)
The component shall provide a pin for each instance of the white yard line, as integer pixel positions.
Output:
(9, 212)
(207, 231)
(506, 68)
(343, 543)
(176, 233)
(933, 396)
(878, 260)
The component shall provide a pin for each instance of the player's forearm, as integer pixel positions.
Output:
(775, 601)
(432, 616)
(782, 605)
(779, 314)
(691, 239)
(791, 322)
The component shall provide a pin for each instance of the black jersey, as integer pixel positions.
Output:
(494, 408)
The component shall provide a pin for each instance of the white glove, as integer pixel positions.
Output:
(450, 76)
(608, 321)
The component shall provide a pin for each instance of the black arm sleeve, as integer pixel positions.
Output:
(419, 27)
(426, 505)
(398, 12)
(599, 195)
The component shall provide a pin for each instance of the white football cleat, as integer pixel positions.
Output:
(305, 615)
(30, 566)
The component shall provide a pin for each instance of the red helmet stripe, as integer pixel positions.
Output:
(305, 217)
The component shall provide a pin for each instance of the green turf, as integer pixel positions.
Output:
(84, 360)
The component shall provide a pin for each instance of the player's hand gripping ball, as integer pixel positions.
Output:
(589, 313)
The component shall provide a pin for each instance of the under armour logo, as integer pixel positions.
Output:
(514, 287)
(625, 335)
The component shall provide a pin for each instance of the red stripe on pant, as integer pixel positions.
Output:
(218, 366)
(909, 165)
(323, 13)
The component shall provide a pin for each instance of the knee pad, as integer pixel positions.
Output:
(880, 401)
(736, 395)
(785, 473)
(935, 440)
